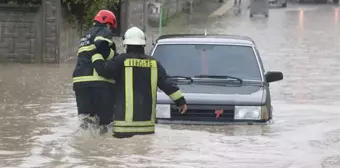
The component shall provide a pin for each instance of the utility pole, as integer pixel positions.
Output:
(145, 15)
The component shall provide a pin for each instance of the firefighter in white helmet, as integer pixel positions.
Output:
(137, 77)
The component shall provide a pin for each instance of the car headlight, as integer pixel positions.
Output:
(163, 111)
(249, 112)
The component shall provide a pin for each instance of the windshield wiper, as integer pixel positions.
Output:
(219, 77)
(177, 78)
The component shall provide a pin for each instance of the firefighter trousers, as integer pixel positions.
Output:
(96, 101)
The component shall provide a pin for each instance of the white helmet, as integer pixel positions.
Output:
(134, 36)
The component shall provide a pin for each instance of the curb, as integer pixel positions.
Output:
(225, 8)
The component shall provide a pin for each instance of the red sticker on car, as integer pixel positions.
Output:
(218, 113)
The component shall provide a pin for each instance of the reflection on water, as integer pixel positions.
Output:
(39, 127)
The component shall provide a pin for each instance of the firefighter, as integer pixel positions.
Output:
(137, 77)
(94, 92)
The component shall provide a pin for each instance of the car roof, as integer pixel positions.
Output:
(205, 39)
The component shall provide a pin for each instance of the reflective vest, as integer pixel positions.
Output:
(84, 71)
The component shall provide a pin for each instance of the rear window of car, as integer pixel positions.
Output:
(208, 59)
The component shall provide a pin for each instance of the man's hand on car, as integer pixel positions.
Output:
(183, 108)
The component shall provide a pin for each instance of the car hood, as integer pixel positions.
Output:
(218, 95)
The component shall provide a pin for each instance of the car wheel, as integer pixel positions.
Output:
(284, 5)
(266, 15)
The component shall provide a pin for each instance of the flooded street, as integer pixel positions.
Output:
(39, 126)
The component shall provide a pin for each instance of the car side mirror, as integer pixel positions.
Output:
(273, 76)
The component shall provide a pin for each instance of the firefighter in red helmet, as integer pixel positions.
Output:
(106, 16)
(93, 92)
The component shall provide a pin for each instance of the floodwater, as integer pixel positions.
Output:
(39, 127)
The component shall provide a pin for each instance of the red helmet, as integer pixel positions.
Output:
(106, 16)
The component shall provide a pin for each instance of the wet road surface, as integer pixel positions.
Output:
(39, 123)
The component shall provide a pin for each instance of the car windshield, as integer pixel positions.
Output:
(208, 59)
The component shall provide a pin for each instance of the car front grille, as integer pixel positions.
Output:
(203, 113)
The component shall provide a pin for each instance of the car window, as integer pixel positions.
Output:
(207, 59)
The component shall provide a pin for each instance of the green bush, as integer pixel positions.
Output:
(84, 10)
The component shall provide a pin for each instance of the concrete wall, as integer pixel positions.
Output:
(19, 34)
(59, 37)
(69, 38)
(36, 34)
(135, 13)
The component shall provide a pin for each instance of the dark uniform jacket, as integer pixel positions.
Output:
(96, 41)
(137, 78)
